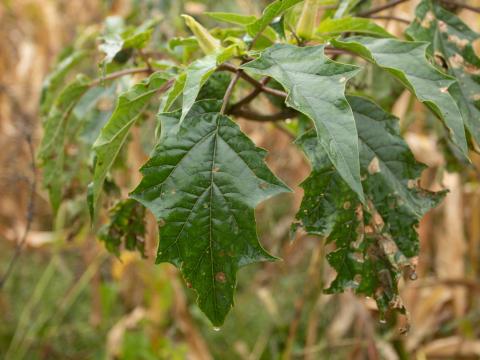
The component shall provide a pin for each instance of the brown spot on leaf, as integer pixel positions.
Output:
(369, 229)
(220, 277)
(374, 166)
(456, 61)
(461, 43)
(161, 222)
(411, 183)
(263, 185)
(427, 20)
(444, 89)
(346, 205)
(442, 26)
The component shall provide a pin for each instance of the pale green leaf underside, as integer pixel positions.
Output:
(55, 79)
(316, 87)
(233, 18)
(196, 75)
(203, 186)
(273, 10)
(452, 44)
(129, 106)
(190, 81)
(52, 152)
(406, 61)
(332, 27)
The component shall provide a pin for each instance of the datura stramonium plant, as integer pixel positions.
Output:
(319, 67)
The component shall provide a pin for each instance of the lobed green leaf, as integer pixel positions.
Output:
(407, 62)
(203, 186)
(129, 106)
(316, 87)
(52, 152)
(375, 240)
(451, 46)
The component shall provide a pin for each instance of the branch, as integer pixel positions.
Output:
(461, 5)
(229, 91)
(381, 8)
(255, 92)
(389, 17)
(252, 81)
(238, 74)
(120, 73)
(254, 116)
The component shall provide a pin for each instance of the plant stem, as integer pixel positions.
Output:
(247, 99)
(381, 8)
(254, 116)
(120, 73)
(389, 17)
(461, 5)
(238, 73)
(229, 91)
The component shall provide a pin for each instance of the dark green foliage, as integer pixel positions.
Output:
(202, 183)
(205, 177)
(373, 240)
(215, 87)
(126, 228)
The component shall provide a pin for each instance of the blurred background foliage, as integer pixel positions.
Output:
(68, 298)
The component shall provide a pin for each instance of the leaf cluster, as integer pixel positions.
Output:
(204, 176)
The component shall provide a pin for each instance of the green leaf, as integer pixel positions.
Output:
(203, 186)
(215, 87)
(126, 228)
(331, 27)
(52, 153)
(117, 39)
(174, 92)
(54, 80)
(344, 7)
(129, 106)
(273, 10)
(316, 87)
(407, 62)
(196, 74)
(452, 46)
(373, 241)
(232, 18)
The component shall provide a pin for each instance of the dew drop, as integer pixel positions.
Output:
(413, 276)
(216, 328)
